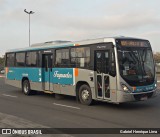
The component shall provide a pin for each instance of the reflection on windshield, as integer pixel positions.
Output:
(136, 66)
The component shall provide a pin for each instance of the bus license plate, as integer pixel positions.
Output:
(144, 98)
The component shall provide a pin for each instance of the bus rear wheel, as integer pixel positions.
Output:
(85, 95)
(26, 87)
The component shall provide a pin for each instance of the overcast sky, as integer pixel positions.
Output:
(77, 20)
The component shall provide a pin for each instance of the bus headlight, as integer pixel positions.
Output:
(125, 88)
(155, 85)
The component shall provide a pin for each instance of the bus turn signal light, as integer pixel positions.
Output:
(134, 88)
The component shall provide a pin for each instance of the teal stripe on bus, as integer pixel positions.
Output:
(18, 73)
(64, 76)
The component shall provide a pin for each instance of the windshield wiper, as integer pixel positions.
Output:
(135, 57)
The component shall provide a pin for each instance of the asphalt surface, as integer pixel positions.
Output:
(45, 110)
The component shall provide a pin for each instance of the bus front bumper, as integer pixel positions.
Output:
(141, 96)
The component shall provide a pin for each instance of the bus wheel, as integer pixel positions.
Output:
(85, 95)
(26, 87)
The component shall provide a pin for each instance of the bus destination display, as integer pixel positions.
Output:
(133, 43)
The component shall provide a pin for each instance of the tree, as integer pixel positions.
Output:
(2, 59)
(157, 57)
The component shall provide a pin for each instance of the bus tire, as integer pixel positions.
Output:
(26, 87)
(85, 95)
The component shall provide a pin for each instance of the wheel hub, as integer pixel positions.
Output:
(26, 88)
(85, 94)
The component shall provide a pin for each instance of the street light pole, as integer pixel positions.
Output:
(30, 12)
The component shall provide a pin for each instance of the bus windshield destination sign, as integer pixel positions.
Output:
(133, 43)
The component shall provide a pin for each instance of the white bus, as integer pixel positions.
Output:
(115, 69)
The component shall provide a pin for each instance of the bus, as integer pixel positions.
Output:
(113, 69)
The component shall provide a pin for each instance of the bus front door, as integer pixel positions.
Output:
(47, 68)
(102, 77)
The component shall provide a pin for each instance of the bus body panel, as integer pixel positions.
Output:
(62, 80)
(15, 83)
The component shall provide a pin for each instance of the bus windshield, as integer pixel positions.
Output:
(136, 65)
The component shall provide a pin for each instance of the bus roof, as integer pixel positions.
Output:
(60, 43)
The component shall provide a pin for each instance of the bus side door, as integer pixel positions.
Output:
(105, 78)
(46, 72)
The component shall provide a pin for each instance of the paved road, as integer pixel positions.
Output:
(45, 110)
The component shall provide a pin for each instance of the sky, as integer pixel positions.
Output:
(76, 20)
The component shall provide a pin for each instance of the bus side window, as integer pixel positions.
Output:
(31, 59)
(20, 59)
(58, 58)
(62, 58)
(80, 57)
(10, 57)
(65, 57)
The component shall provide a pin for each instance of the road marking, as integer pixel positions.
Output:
(158, 81)
(9, 95)
(66, 106)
